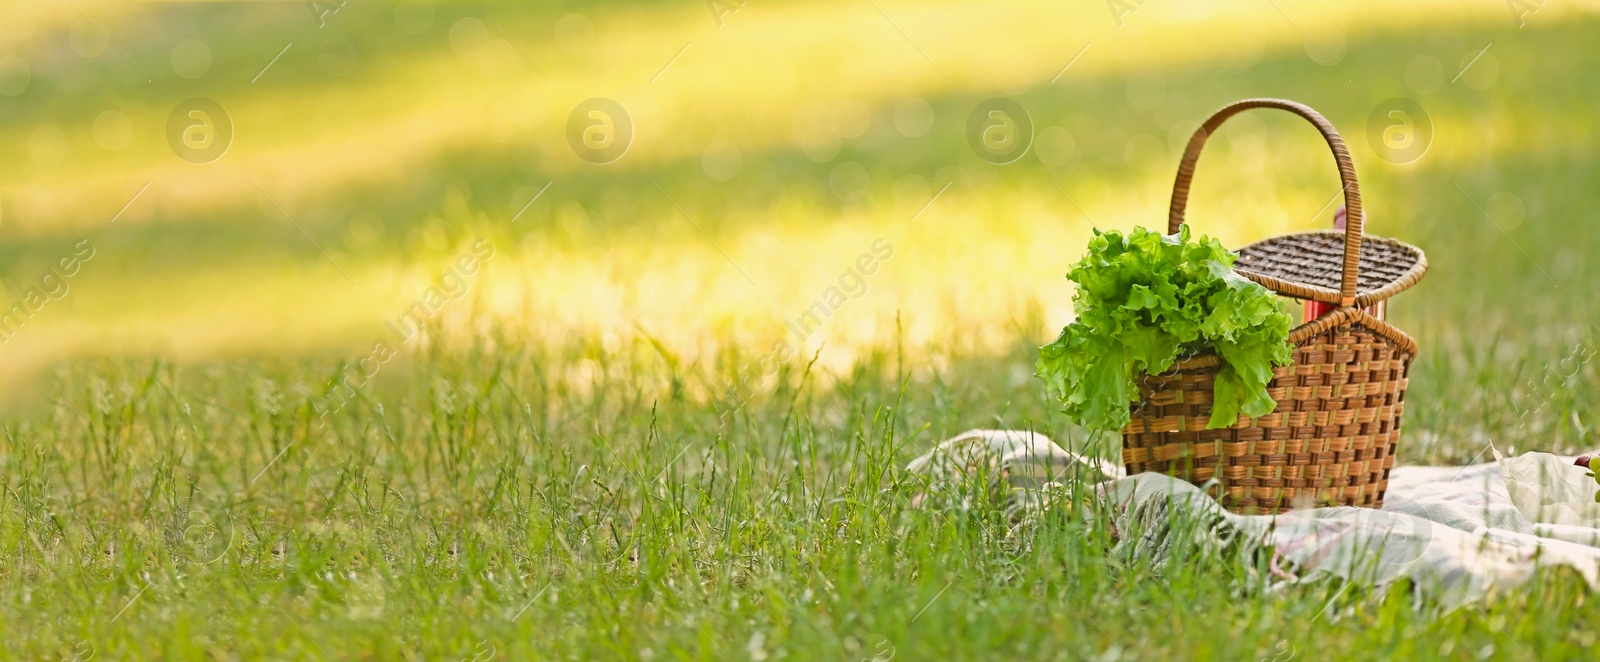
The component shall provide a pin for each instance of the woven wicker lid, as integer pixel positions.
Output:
(1310, 265)
(1342, 267)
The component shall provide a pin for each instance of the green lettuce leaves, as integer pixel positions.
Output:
(1144, 299)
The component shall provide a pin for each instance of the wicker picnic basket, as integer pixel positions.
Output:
(1331, 440)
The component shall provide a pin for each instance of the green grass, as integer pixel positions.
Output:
(553, 476)
(474, 501)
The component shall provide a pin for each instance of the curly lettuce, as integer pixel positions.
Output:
(1145, 298)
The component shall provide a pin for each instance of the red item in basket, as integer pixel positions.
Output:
(1315, 309)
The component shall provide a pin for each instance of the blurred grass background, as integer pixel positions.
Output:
(792, 135)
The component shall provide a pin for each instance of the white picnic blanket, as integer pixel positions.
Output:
(1459, 533)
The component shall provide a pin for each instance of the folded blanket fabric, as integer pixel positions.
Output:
(1458, 533)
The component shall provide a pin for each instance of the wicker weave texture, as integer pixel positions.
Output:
(1299, 264)
(1330, 441)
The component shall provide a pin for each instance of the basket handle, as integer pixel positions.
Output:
(1347, 175)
